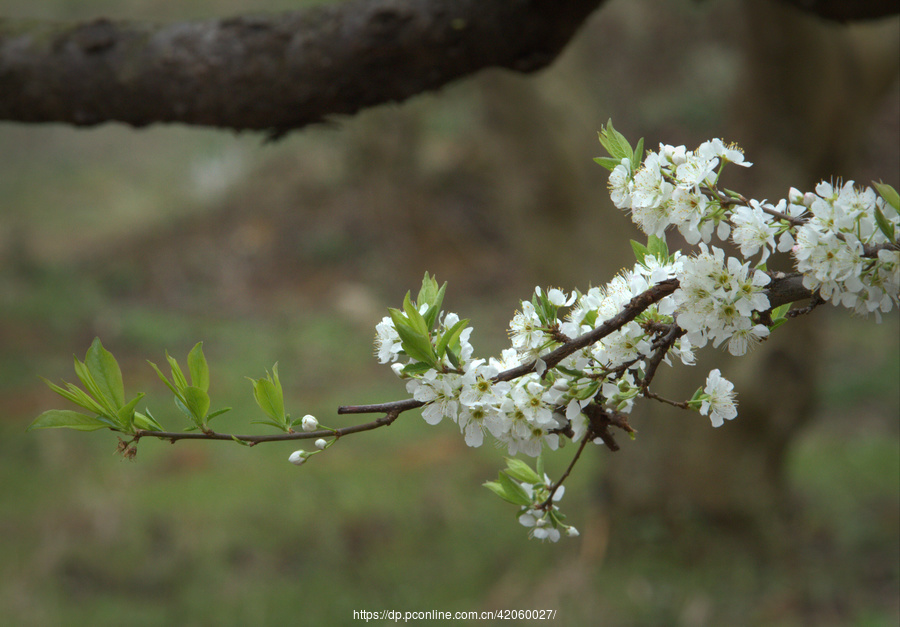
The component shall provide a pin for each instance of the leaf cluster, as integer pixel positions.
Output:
(103, 396)
(192, 399)
(421, 338)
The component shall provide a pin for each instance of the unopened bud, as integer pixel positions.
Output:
(309, 423)
(298, 458)
(321, 443)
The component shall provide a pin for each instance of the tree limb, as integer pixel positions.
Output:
(274, 72)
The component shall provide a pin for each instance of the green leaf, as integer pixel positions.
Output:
(640, 251)
(218, 412)
(418, 367)
(615, 143)
(512, 491)
(270, 396)
(416, 344)
(67, 418)
(496, 488)
(428, 292)
(454, 360)
(197, 401)
(451, 336)
(147, 421)
(184, 409)
(416, 321)
(697, 395)
(657, 247)
(271, 423)
(125, 414)
(106, 373)
(198, 367)
(78, 396)
(890, 195)
(434, 308)
(519, 470)
(164, 378)
(589, 391)
(87, 380)
(607, 162)
(779, 311)
(177, 375)
(884, 225)
(638, 153)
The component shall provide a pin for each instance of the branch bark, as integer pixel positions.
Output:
(270, 72)
(281, 72)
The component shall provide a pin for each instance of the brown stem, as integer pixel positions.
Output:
(549, 502)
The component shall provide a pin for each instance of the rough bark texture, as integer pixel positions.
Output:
(284, 71)
(844, 11)
(270, 72)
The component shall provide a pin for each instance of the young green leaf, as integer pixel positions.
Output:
(640, 251)
(164, 378)
(270, 397)
(177, 375)
(415, 344)
(428, 291)
(416, 321)
(197, 401)
(198, 367)
(125, 415)
(146, 421)
(615, 143)
(434, 308)
(87, 380)
(78, 396)
(638, 153)
(106, 374)
(890, 195)
(607, 162)
(657, 247)
(512, 491)
(519, 470)
(218, 412)
(418, 367)
(451, 336)
(67, 418)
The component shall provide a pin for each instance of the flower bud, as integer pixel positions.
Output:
(321, 443)
(309, 423)
(298, 458)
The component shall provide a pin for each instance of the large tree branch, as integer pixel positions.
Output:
(270, 72)
(281, 72)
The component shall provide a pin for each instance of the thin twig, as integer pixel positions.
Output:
(584, 440)
(173, 436)
(656, 397)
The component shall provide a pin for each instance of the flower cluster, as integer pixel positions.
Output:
(845, 240)
(717, 299)
(550, 386)
(536, 497)
(847, 248)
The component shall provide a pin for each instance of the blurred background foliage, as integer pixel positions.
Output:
(291, 251)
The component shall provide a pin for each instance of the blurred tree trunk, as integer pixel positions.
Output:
(806, 96)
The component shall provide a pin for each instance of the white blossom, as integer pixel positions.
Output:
(719, 402)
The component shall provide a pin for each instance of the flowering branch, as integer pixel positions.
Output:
(579, 361)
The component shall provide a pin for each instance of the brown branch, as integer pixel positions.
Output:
(274, 72)
(844, 11)
(173, 436)
(632, 310)
(549, 501)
